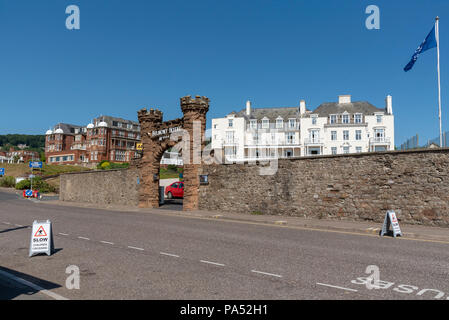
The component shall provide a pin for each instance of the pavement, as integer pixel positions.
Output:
(174, 207)
(124, 253)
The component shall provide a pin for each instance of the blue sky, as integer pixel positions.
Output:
(141, 53)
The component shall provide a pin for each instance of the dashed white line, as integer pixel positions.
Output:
(131, 247)
(6, 222)
(336, 287)
(169, 254)
(266, 273)
(83, 238)
(63, 234)
(18, 225)
(107, 242)
(214, 263)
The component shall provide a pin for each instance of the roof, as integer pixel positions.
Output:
(327, 108)
(270, 113)
(67, 128)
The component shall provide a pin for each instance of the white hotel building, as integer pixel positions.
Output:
(332, 128)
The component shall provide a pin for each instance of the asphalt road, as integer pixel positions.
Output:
(135, 255)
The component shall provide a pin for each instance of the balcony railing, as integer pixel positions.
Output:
(313, 141)
(78, 147)
(379, 140)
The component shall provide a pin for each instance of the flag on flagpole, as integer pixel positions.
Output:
(428, 43)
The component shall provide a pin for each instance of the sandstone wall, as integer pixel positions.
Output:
(358, 187)
(101, 187)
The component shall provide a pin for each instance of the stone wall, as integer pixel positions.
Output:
(358, 187)
(101, 187)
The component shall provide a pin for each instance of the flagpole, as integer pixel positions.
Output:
(437, 34)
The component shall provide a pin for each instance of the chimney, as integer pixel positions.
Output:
(248, 108)
(302, 107)
(389, 104)
(344, 99)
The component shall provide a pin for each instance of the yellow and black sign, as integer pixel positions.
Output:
(139, 146)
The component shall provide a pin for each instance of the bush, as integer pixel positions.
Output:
(106, 165)
(24, 184)
(8, 182)
(172, 167)
(38, 184)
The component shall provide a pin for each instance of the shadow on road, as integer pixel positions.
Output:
(12, 289)
(13, 229)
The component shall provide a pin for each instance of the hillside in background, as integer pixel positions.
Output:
(33, 142)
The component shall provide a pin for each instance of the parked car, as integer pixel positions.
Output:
(175, 190)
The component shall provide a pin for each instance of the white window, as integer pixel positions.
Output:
(265, 123)
(379, 118)
(358, 149)
(358, 135)
(292, 123)
(333, 118)
(279, 123)
(230, 123)
(253, 124)
(345, 135)
(273, 138)
(345, 149)
(314, 136)
(314, 117)
(215, 126)
(334, 150)
(333, 135)
(345, 118)
(229, 136)
(290, 137)
(358, 118)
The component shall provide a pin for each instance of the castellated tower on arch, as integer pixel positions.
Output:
(186, 133)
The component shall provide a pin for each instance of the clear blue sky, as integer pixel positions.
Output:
(142, 53)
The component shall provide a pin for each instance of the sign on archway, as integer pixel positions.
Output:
(185, 133)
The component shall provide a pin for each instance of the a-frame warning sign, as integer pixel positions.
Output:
(40, 232)
(41, 238)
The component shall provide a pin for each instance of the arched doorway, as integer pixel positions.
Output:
(157, 136)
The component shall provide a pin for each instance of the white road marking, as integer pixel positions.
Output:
(33, 286)
(83, 238)
(266, 273)
(169, 254)
(6, 222)
(63, 234)
(336, 287)
(18, 225)
(131, 247)
(107, 242)
(215, 263)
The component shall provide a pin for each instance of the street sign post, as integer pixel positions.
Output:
(391, 219)
(41, 238)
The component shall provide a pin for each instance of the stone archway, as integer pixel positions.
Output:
(158, 136)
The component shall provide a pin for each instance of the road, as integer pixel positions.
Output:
(136, 255)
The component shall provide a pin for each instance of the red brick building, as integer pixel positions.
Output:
(106, 138)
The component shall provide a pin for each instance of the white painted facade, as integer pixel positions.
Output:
(332, 128)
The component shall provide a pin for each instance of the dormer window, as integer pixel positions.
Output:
(292, 123)
(345, 118)
(314, 117)
(279, 123)
(379, 118)
(253, 124)
(333, 118)
(265, 123)
(230, 123)
(358, 118)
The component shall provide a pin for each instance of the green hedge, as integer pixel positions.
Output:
(7, 182)
(38, 184)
